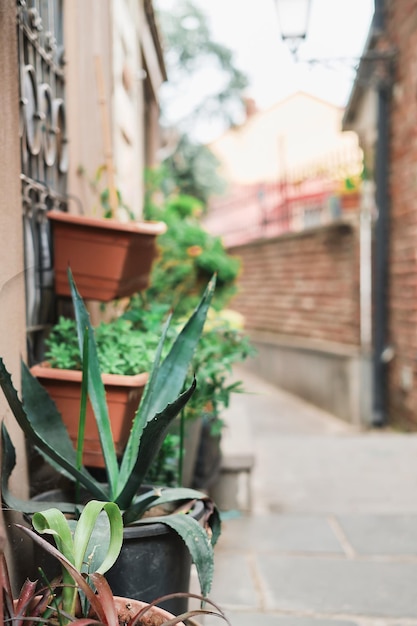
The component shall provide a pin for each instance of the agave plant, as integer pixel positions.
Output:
(163, 399)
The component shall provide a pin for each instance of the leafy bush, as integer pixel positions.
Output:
(120, 348)
(189, 255)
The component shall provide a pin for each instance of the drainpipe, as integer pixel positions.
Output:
(379, 413)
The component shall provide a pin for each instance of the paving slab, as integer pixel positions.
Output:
(280, 533)
(339, 586)
(237, 585)
(381, 534)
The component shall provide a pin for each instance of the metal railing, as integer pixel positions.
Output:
(315, 196)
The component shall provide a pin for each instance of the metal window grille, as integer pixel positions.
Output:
(44, 154)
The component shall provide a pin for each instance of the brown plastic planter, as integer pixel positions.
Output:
(123, 395)
(108, 259)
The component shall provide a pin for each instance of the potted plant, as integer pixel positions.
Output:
(110, 259)
(125, 356)
(85, 550)
(221, 345)
(162, 400)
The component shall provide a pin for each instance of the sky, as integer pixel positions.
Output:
(250, 28)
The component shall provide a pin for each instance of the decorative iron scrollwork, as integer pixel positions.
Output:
(44, 154)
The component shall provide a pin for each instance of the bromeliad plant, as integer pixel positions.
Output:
(90, 545)
(162, 400)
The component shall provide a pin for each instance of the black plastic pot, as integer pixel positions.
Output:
(154, 561)
(209, 456)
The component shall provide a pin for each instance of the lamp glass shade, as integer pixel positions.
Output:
(293, 18)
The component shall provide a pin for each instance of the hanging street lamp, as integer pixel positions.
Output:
(293, 16)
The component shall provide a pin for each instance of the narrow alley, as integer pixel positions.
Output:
(332, 537)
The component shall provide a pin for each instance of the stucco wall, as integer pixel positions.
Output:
(12, 296)
(110, 30)
(292, 134)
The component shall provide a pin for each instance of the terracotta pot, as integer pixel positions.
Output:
(109, 259)
(350, 200)
(123, 394)
(128, 608)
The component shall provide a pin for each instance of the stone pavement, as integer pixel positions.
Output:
(332, 537)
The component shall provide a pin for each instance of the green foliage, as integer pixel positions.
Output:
(191, 50)
(161, 402)
(193, 169)
(222, 345)
(164, 469)
(189, 255)
(79, 542)
(120, 349)
(103, 194)
(96, 605)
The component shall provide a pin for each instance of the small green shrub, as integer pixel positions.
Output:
(121, 349)
(189, 255)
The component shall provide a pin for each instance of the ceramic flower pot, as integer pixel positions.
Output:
(123, 396)
(109, 259)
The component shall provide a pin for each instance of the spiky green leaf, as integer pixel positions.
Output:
(167, 380)
(152, 437)
(96, 389)
(42, 424)
(197, 542)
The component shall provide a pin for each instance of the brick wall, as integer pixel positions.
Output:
(402, 33)
(302, 285)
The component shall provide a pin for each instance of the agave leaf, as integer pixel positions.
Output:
(141, 417)
(197, 542)
(42, 424)
(167, 380)
(8, 463)
(150, 442)
(177, 494)
(96, 389)
(83, 403)
(141, 504)
(214, 521)
(155, 497)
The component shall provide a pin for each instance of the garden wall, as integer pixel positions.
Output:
(299, 294)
